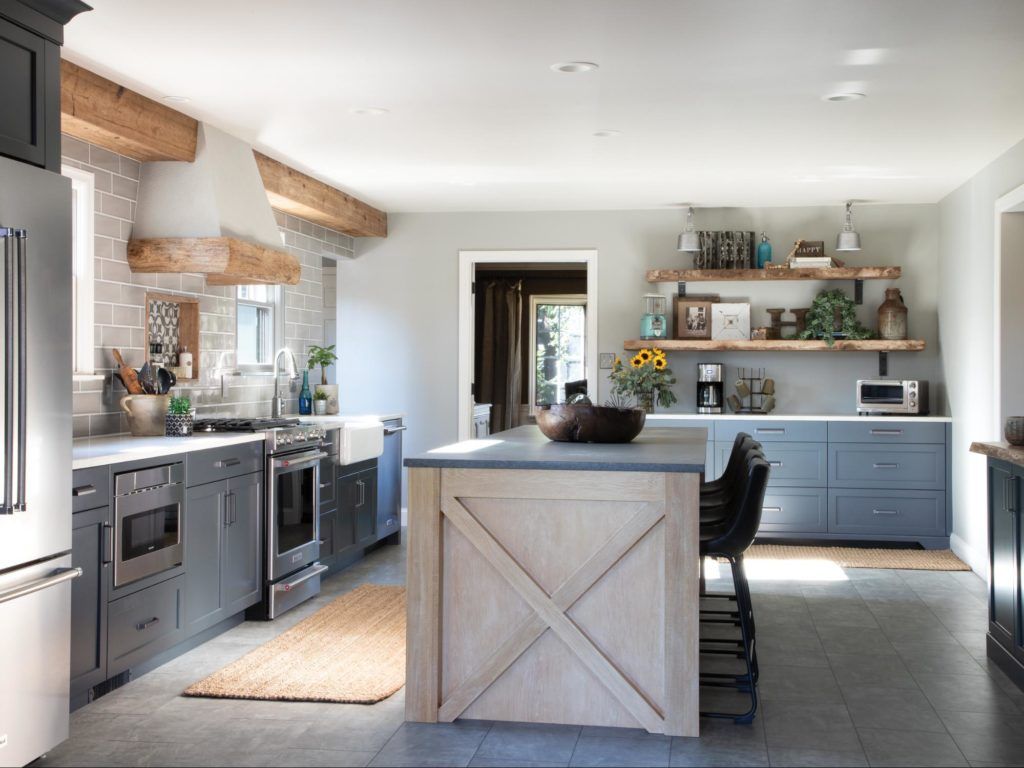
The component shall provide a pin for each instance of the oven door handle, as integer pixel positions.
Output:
(314, 570)
(299, 461)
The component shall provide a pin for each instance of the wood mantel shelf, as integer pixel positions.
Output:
(224, 260)
(753, 275)
(778, 345)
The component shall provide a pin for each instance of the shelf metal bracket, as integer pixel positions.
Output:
(858, 291)
(681, 287)
(883, 364)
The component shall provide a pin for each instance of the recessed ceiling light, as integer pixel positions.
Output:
(844, 97)
(177, 99)
(607, 133)
(369, 111)
(574, 67)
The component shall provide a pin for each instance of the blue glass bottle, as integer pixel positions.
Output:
(764, 251)
(305, 396)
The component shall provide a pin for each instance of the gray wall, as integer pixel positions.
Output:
(120, 300)
(966, 295)
(398, 301)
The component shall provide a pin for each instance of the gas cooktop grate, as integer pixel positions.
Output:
(242, 425)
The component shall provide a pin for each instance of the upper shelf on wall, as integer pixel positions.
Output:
(778, 345)
(751, 275)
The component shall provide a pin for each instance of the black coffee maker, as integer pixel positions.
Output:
(710, 388)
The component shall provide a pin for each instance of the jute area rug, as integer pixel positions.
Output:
(857, 557)
(350, 651)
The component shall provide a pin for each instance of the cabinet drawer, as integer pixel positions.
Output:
(222, 463)
(141, 625)
(90, 488)
(910, 513)
(327, 534)
(772, 431)
(886, 432)
(796, 510)
(327, 496)
(858, 465)
(792, 464)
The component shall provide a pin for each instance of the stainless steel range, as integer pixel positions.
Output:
(291, 532)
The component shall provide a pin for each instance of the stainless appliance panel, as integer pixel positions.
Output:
(293, 502)
(40, 203)
(148, 524)
(35, 658)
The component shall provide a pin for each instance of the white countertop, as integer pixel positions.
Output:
(115, 449)
(787, 417)
(335, 421)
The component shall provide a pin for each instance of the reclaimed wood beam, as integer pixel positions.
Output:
(224, 260)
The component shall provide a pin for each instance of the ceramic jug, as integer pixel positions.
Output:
(146, 413)
(892, 316)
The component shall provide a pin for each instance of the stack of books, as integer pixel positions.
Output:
(811, 262)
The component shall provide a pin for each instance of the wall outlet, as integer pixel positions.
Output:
(606, 360)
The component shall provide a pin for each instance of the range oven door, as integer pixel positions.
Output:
(293, 501)
(147, 533)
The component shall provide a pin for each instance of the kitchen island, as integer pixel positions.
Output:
(556, 582)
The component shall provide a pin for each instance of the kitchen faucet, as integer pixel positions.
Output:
(277, 408)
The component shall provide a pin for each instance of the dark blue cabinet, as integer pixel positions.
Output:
(1006, 622)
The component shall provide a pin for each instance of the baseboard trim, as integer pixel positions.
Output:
(978, 561)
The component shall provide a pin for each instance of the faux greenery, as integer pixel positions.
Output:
(180, 406)
(621, 402)
(319, 395)
(647, 378)
(324, 357)
(829, 307)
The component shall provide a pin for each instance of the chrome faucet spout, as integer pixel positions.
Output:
(277, 408)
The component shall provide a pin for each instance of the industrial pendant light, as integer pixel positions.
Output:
(689, 242)
(848, 239)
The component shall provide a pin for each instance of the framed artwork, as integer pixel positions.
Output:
(693, 318)
(810, 248)
(730, 322)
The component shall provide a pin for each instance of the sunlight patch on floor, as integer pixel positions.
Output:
(780, 570)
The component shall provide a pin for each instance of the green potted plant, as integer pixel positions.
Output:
(180, 418)
(833, 315)
(320, 402)
(647, 378)
(325, 358)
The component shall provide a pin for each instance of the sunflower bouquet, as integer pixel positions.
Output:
(647, 377)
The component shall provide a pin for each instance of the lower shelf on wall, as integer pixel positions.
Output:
(777, 345)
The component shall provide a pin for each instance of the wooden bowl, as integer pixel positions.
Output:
(1014, 430)
(590, 423)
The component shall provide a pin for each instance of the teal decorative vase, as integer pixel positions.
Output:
(764, 251)
(305, 396)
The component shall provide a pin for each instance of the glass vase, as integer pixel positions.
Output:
(646, 401)
(305, 396)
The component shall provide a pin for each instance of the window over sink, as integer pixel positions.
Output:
(259, 330)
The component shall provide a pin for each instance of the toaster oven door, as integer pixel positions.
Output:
(882, 393)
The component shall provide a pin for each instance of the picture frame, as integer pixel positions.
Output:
(730, 322)
(810, 248)
(693, 318)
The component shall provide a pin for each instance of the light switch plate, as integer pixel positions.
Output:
(606, 360)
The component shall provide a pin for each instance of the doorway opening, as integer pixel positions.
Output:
(527, 334)
(1009, 310)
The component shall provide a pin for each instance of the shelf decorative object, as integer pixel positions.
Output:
(833, 315)
(180, 418)
(725, 250)
(647, 378)
(586, 423)
(1013, 431)
(325, 358)
(755, 393)
(654, 323)
(892, 316)
(730, 321)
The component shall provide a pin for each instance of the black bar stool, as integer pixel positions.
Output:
(729, 539)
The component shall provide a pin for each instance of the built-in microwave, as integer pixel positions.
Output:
(888, 396)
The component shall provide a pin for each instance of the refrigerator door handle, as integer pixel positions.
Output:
(7, 506)
(58, 577)
(22, 242)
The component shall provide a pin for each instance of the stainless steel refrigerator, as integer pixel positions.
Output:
(35, 461)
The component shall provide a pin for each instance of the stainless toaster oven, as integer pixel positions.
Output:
(889, 396)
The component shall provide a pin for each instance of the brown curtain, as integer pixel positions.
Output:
(501, 372)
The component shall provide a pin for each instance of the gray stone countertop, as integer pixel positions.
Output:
(666, 449)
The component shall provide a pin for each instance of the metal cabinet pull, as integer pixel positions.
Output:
(774, 463)
(362, 493)
(108, 544)
(147, 624)
(7, 507)
(224, 463)
(771, 509)
(886, 465)
(83, 490)
(1009, 497)
(394, 430)
(20, 240)
(59, 577)
(887, 432)
(325, 485)
(770, 430)
(885, 511)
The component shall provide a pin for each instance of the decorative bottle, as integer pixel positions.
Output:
(305, 396)
(764, 251)
(892, 316)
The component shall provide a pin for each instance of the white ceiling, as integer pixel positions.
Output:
(719, 101)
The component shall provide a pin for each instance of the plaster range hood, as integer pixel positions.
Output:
(210, 216)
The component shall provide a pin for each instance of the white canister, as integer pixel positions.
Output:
(185, 362)
(331, 391)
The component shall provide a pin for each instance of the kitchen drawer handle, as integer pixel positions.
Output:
(83, 490)
(323, 541)
(389, 522)
(147, 624)
(223, 463)
(885, 511)
(394, 430)
(326, 485)
(770, 430)
(887, 432)
(771, 509)
(886, 465)
(108, 544)
(774, 463)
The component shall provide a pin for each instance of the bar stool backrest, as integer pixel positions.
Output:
(745, 517)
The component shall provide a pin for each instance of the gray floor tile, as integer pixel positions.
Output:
(696, 752)
(797, 725)
(432, 744)
(489, 762)
(864, 669)
(910, 748)
(986, 736)
(965, 693)
(528, 741)
(925, 658)
(809, 685)
(614, 751)
(855, 640)
(322, 757)
(814, 758)
(905, 709)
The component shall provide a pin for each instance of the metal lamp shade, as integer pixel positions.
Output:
(848, 241)
(689, 242)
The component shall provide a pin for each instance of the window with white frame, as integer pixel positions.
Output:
(258, 326)
(558, 327)
(82, 252)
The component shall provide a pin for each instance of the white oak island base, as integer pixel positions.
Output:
(554, 596)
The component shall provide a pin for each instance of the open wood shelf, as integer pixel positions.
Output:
(752, 275)
(777, 345)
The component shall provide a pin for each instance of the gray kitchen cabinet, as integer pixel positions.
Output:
(795, 510)
(223, 563)
(91, 551)
(389, 483)
(1005, 632)
(792, 464)
(897, 466)
(144, 624)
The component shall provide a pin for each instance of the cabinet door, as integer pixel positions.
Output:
(327, 534)
(241, 573)
(389, 483)
(90, 551)
(345, 517)
(366, 507)
(205, 524)
(1003, 549)
(24, 62)
(1017, 488)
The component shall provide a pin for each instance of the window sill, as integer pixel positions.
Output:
(88, 377)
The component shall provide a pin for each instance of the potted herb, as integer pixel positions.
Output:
(833, 315)
(180, 418)
(647, 378)
(320, 402)
(325, 358)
